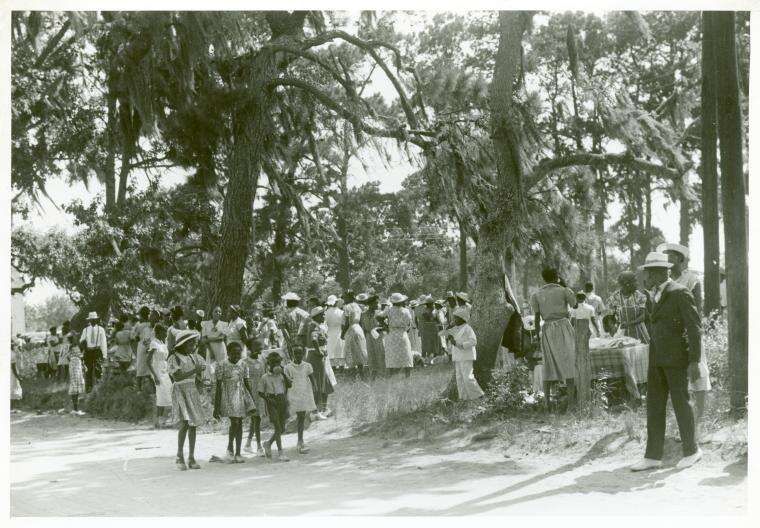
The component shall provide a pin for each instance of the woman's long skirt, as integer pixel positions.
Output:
(320, 376)
(558, 349)
(355, 347)
(398, 350)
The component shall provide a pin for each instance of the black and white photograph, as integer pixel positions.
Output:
(279, 260)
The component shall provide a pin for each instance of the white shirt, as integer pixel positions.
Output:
(583, 311)
(95, 337)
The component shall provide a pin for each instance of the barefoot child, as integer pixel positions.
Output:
(254, 371)
(185, 368)
(233, 398)
(273, 391)
(301, 394)
(76, 376)
(159, 371)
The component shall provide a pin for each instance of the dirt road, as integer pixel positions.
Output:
(62, 465)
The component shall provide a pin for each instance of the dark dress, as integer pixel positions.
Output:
(315, 356)
(375, 347)
(428, 327)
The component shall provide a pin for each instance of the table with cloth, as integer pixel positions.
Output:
(620, 358)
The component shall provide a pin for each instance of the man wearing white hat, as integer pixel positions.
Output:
(93, 341)
(673, 360)
(678, 255)
(290, 321)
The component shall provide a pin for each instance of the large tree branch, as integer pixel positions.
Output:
(548, 165)
(370, 46)
(399, 134)
(51, 45)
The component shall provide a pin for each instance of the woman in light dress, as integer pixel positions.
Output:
(142, 333)
(354, 342)
(334, 322)
(16, 391)
(159, 371)
(214, 335)
(398, 349)
(237, 330)
(63, 358)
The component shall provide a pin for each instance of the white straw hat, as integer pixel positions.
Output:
(397, 298)
(656, 259)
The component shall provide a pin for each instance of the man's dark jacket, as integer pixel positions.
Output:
(676, 332)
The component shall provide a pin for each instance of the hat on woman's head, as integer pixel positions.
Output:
(200, 313)
(290, 296)
(450, 295)
(428, 299)
(183, 336)
(463, 313)
(463, 296)
(316, 311)
(331, 300)
(362, 297)
(396, 298)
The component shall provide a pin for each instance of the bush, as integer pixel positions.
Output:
(511, 390)
(715, 345)
(44, 394)
(116, 397)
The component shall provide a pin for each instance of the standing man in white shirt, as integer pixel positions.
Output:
(93, 342)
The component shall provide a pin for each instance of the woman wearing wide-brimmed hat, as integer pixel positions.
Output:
(313, 335)
(375, 347)
(398, 349)
(463, 342)
(289, 322)
(354, 342)
(185, 368)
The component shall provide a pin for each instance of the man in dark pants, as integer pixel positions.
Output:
(674, 353)
(93, 342)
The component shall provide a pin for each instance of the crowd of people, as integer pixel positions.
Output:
(276, 362)
(271, 362)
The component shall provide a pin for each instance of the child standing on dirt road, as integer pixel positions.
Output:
(254, 371)
(301, 394)
(273, 390)
(185, 368)
(233, 398)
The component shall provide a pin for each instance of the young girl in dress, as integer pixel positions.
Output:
(16, 392)
(76, 376)
(185, 368)
(159, 371)
(301, 393)
(254, 370)
(233, 398)
(273, 391)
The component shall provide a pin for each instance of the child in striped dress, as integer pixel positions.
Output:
(76, 376)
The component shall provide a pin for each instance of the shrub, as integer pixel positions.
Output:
(715, 345)
(116, 397)
(510, 389)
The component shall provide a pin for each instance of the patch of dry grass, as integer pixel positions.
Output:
(359, 403)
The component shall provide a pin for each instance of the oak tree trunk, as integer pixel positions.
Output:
(709, 173)
(733, 194)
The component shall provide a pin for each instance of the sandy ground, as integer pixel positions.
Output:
(63, 465)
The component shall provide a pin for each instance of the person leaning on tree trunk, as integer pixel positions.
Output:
(675, 349)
